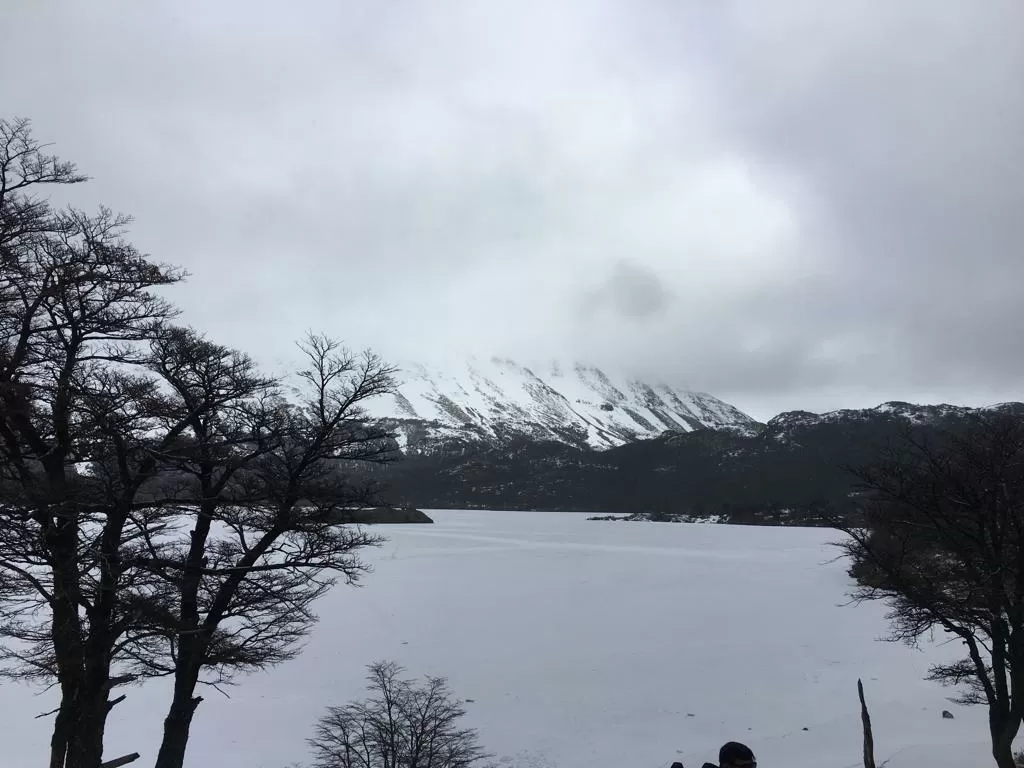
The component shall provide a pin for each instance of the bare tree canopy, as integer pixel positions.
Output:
(942, 541)
(269, 489)
(165, 508)
(402, 724)
(73, 295)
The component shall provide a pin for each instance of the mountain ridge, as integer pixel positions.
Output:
(790, 472)
(498, 401)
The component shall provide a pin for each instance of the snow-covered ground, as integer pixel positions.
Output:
(586, 645)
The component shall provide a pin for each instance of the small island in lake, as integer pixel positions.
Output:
(384, 516)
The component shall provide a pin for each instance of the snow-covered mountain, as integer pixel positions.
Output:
(498, 400)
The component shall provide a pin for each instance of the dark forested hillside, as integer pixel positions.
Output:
(789, 472)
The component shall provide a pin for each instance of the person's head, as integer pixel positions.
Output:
(736, 755)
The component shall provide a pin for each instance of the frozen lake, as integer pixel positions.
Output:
(586, 645)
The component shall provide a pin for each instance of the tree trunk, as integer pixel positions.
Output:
(61, 730)
(191, 640)
(1003, 719)
(84, 668)
(179, 721)
(66, 725)
(1003, 729)
(87, 750)
(66, 631)
(1002, 751)
(93, 705)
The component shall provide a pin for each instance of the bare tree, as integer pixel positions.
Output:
(234, 497)
(266, 534)
(401, 724)
(942, 541)
(165, 509)
(73, 296)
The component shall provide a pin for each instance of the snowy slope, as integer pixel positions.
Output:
(585, 645)
(499, 399)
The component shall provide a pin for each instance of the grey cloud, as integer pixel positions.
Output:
(820, 202)
(903, 124)
(632, 292)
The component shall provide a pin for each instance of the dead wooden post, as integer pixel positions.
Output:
(865, 719)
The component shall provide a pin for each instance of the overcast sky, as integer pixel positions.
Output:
(787, 204)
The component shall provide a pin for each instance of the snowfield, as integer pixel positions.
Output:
(585, 645)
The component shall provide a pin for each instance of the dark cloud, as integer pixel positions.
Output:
(819, 204)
